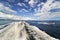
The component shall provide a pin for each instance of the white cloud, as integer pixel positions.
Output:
(55, 5)
(46, 6)
(22, 4)
(9, 16)
(44, 13)
(6, 9)
(28, 18)
(19, 4)
(40, 4)
(6, 12)
(23, 10)
(38, 9)
(9, 13)
(32, 2)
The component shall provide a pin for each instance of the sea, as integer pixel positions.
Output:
(51, 27)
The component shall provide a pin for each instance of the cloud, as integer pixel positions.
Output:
(38, 8)
(32, 3)
(19, 4)
(22, 4)
(40, 4)
(14, 17)
(23, 11)
(28, 18)
(6, 9)
(8, 13)
(44, 12)
(9, 16)
(55, 5)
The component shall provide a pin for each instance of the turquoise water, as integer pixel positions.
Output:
(4, 21)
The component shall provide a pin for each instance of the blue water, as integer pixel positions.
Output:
(6, 21)
(51, 29)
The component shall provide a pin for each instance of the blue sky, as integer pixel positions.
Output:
(31, 9)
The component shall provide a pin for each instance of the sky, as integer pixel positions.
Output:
(30, 9)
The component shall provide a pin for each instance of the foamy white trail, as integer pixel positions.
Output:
(23, 31)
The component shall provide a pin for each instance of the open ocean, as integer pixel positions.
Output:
(50, 27)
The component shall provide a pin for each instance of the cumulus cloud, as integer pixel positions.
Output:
(55, 5)
(38, 9)
(40, 4)
(14, 17)
(22, 4)
(19, 4)
(8, 13)
(32, 3)
(6, 9)
(9, 16)
(28, 18)
(44, 13)
(23, 10)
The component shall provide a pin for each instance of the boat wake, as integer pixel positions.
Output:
(23, 31)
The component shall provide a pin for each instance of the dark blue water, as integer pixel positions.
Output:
(51, 29)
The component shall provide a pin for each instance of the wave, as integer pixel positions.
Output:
(23, 31)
